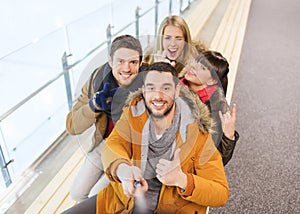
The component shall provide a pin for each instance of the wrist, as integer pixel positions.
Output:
(121, 168)
(230, 136)
(93, 106)
(182, 181)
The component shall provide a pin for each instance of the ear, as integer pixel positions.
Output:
(110, 61)
(143, 90)
(177, 90)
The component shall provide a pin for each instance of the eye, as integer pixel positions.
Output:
(179, 39)
(166, 88)
(149, 88)
(121, 61)
(167, 37)
(134, 62)
(203, 68)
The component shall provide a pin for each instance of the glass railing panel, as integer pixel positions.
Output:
(87, 33)
(184, 4)
(32, 128)
(128, 12)
(83, 70)
(26, 70)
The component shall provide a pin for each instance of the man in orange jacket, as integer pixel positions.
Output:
(162, 143)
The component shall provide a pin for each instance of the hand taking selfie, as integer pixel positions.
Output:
(128, 175)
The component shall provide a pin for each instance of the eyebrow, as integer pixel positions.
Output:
(149, 84)
(164, 84)
(174, 36)
(167, 84)
(128, 59)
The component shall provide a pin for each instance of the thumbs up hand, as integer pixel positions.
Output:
(170, 173)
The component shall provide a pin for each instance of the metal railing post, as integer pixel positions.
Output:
(3, 164)
(137, 24)
(108, 37)
(180, 6)
(65, 65)
(170, 7)
(156, 17)
(4, 170)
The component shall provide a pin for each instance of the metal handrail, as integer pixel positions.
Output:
(14, 108)
(66, 68)
(18, 105)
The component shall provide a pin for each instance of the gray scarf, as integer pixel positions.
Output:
(159, 148)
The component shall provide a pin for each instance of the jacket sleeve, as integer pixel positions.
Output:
(210, 183)
(81, 117)
(117, 148)
(226, 147)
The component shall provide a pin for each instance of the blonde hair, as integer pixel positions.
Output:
(190, 49)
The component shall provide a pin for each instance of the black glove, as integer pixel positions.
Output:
(100, 100)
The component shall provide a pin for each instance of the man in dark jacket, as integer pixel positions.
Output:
(94, 106)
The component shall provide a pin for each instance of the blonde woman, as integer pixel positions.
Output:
(174, 44)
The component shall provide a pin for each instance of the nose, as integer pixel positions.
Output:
(126, 66)
(173, 42)
(158, 95)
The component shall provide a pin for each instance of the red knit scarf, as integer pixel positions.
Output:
(204, 93)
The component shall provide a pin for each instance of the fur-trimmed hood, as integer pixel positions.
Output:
(199, 110)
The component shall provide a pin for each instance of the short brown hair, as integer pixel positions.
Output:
(162, 67)
(126, 41)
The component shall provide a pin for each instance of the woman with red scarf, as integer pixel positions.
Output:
(207, 77)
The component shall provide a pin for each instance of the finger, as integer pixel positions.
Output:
(103, 102)
(233, 113)
(163, 162)
(113, 91)
(128, 188)
(227, 115)
(144, 185)
(137, 174)
(105, 88)
(160, 171)
(173, 63)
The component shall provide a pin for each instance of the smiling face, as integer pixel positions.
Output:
(173, 42)
(125, 65)
(159, 93)
(198, 76)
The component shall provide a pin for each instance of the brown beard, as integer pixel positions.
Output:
(159, 116)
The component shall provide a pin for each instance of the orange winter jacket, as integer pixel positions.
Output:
(200, 160)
